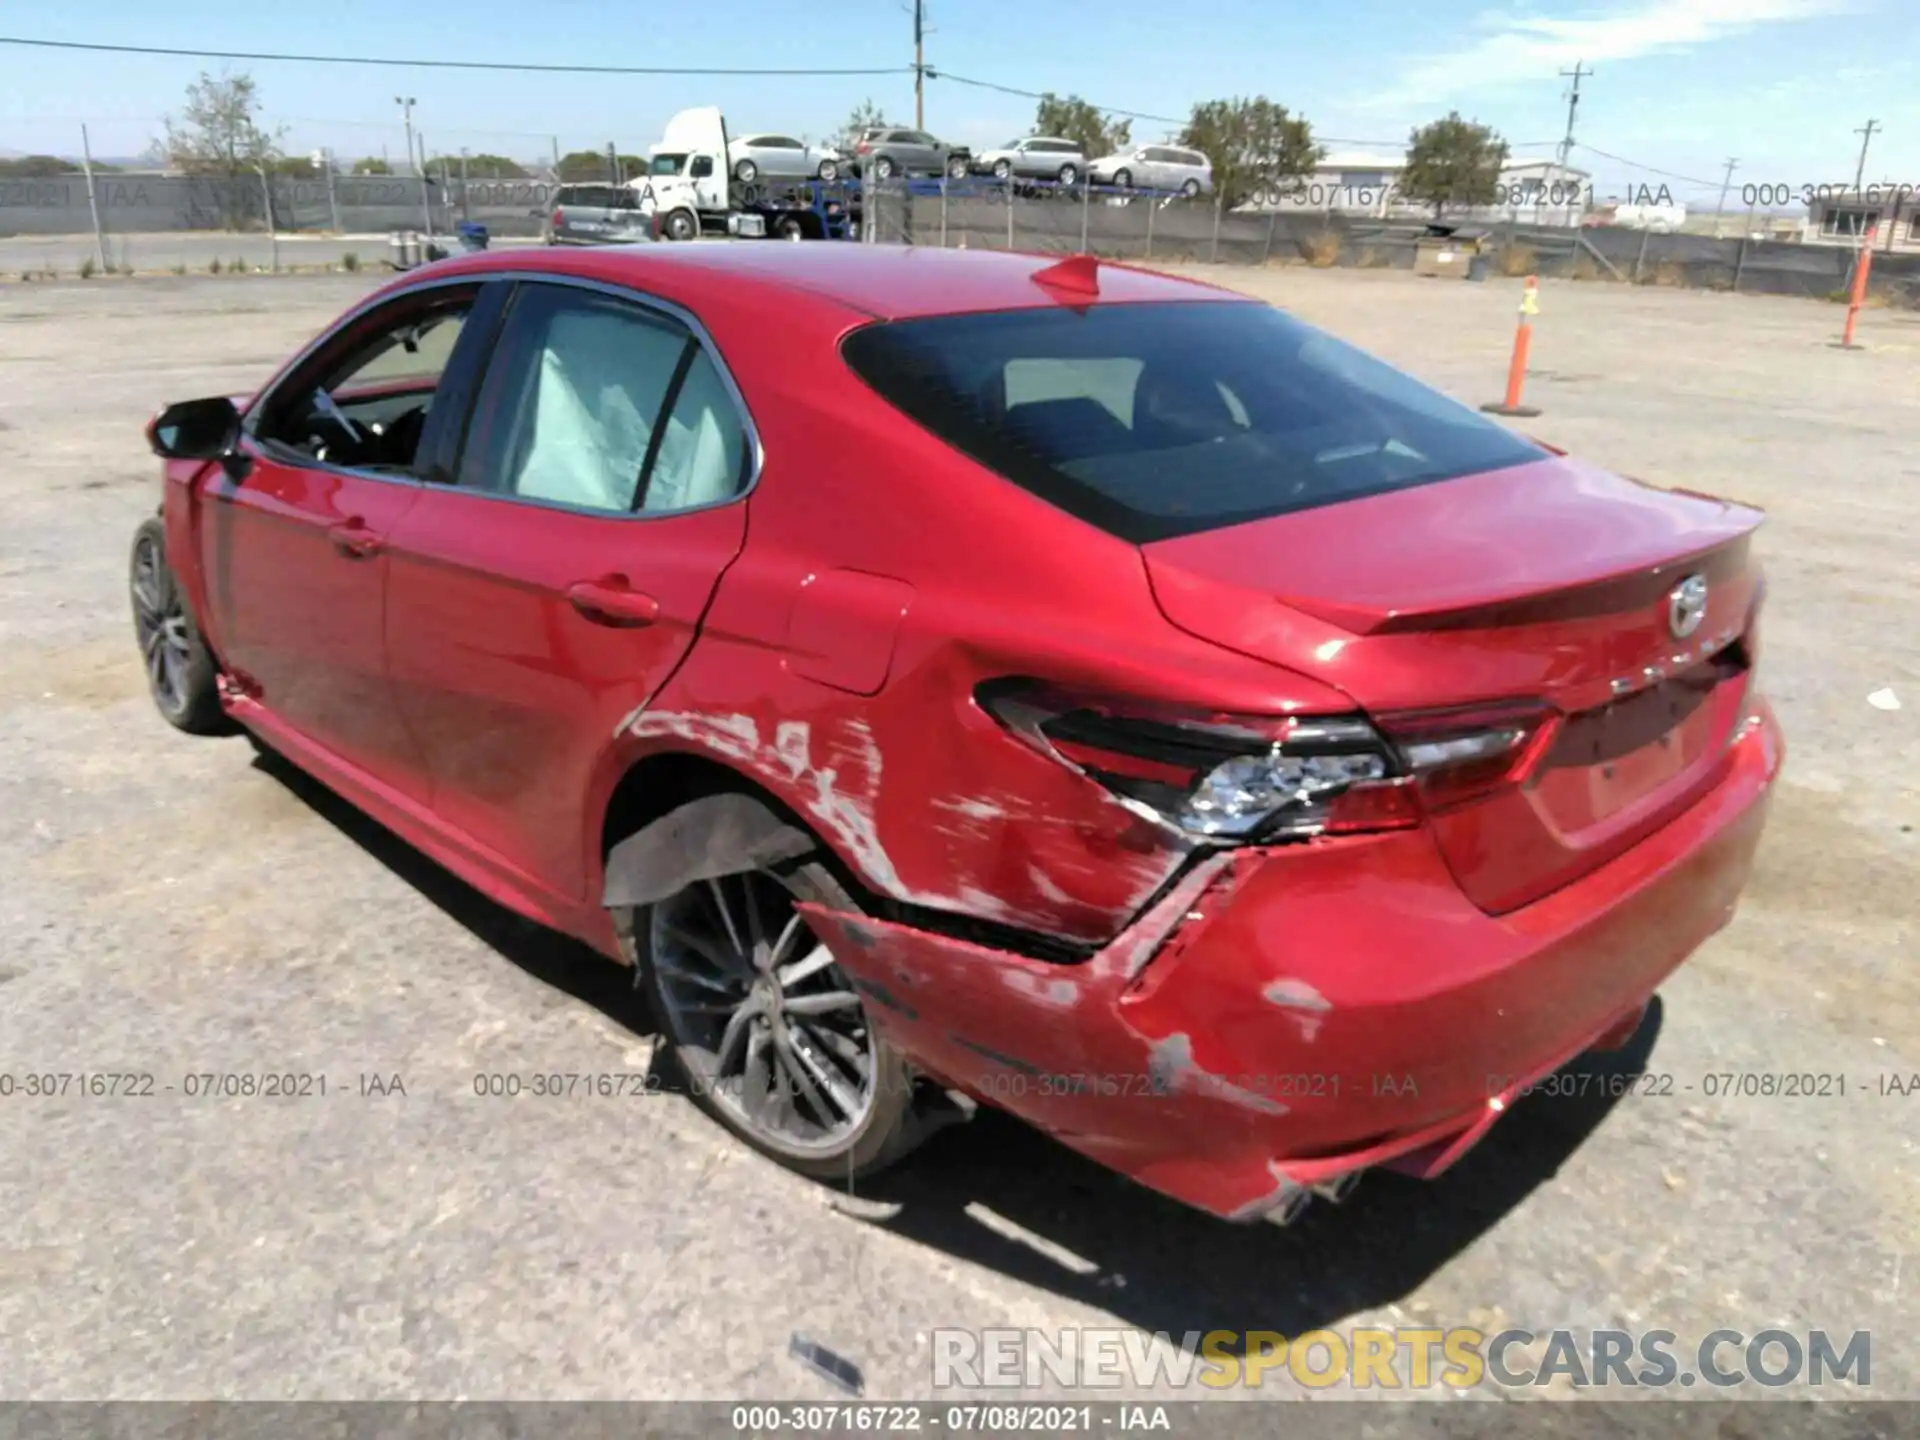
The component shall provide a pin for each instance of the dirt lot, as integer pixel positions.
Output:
(175, 906)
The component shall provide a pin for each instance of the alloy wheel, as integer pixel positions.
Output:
(160, 626)
(763, 1017)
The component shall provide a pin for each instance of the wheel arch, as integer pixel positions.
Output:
(676, 816)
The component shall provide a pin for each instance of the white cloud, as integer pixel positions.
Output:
(1522, 48)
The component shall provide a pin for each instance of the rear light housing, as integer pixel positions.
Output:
(1228, 779)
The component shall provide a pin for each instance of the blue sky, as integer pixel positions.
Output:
(1680, 85)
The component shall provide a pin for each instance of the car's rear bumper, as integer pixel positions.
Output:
(1286, 1016)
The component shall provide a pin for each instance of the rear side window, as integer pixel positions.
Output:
(1157, 420)
(595, 404)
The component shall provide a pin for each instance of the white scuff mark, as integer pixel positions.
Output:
(735, 736)
(982, 902)
(1171, 1067)
(790, 743)
(1044, 884)
(1061, 993)
(973, 809)
(1309, 1005)
(1884, 700)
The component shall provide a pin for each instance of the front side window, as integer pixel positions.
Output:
(1158, 420)
(363, 401)
(571, 410)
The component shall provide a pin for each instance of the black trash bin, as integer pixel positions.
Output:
(473, 235)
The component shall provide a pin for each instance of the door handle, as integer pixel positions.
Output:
(353, 539)
(613, 605)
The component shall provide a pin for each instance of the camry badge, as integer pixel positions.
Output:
(1687, 606)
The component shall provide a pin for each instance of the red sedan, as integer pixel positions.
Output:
(952, 677)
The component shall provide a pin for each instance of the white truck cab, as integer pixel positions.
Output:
(686, 184)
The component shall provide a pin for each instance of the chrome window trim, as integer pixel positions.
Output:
(756, 453)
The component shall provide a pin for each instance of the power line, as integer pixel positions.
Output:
(523, 67)
(1635, 164)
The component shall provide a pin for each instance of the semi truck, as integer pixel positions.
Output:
(690, 192)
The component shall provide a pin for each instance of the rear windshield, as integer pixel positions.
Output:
(1157, 420)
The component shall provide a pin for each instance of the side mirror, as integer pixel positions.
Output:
(195, 430)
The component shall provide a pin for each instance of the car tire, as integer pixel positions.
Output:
(1190, 189)
(790, 228)
(693, 1031)
(681, 225)
(1069, 174)
(829, 170)
(958, 166)
(1123, 178)
(746, 172)
(181, 674)
(1003, 170)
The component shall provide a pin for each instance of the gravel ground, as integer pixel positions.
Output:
(177, 907)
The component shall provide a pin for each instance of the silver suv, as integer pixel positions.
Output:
(889, 150)
(1156, 167)
(596, 215)
(1037, 157)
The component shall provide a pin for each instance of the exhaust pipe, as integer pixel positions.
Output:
(1290, 1209)
(1338, 1188)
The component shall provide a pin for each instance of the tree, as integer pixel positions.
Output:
(371, 165)
(866, 116)
(486, 167)
(1453, 162)
(591, 165)
(38, 167)
(218, 134)
(1074, 119)
(218, 131)
(1255, 145)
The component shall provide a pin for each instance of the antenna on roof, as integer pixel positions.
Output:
(1077, 273)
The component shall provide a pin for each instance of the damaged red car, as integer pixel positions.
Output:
(955, 678)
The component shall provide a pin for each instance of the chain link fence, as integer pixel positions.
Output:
(1170, 229)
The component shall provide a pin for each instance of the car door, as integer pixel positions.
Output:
(292, 541)
(915, 152)
(785, 157)
(541, 600)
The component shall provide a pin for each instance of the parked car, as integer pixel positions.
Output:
(596, 215)
(886, 151)
(752, 158)
(1157, 167)
(1228, 754)
(1037, 157)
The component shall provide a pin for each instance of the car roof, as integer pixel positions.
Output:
(889, 282)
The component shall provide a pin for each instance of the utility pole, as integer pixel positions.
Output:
(1865, 132)
(919, 64)
(426, 193)
(1725, 185)
(1577, 74)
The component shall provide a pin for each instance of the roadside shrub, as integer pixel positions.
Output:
(87, 267)
(350, 261)
(213, 266)
(238, 267)
(1518, 260)
(1322, 249)
(1373, 258)
(1670, 272)
(1584, 268)
(180, 268)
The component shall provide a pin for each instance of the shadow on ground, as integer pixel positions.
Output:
(1102, 1240)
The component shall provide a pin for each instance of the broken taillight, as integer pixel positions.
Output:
(1230, 777)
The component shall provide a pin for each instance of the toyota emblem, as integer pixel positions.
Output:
(1687, 606)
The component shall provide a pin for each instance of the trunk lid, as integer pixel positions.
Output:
(1553, 582)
